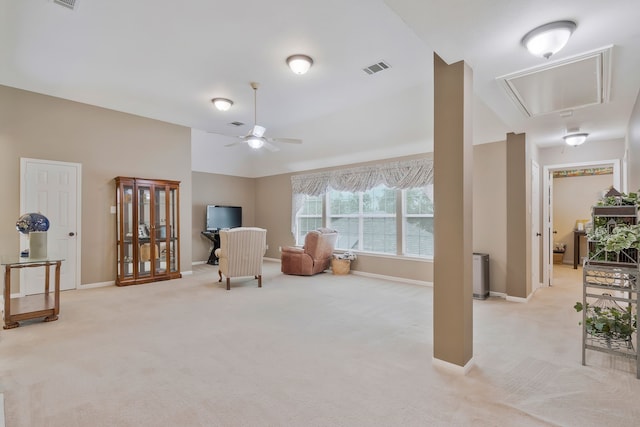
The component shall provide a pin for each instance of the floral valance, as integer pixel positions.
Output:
(398, 175)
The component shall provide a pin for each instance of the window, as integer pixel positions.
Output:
(309, 218)
(367, 221)
(372, 220)
(418, 221)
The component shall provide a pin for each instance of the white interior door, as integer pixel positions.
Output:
(52, 189)
(536, 230)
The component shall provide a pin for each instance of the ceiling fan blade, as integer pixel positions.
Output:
(269, 146)
(226, 135)
(233, 143)
(287, 140)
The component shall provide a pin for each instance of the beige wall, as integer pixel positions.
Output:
(490, 209)
(572, 200)
(107, 143)
(215, 189)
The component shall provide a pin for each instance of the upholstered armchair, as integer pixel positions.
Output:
(240, 253)
(314, 257)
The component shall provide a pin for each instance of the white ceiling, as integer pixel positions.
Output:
(166, 60)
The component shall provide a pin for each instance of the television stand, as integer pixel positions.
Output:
(214, 237)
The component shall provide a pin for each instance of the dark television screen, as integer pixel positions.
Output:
(219, 217)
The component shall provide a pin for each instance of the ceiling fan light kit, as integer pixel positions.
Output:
(222, 104)
(548, 39)
(299, 64)
(255, 139)
(255, 142)
(575, 139)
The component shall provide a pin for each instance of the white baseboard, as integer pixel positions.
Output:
(497, 294)
(519, 299)
(97, 285)
(393, 278)
(453, 368)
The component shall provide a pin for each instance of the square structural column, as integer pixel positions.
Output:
(453, 224)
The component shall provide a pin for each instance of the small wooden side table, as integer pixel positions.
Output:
(31, 306)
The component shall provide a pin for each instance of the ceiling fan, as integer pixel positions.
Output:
(255, 138)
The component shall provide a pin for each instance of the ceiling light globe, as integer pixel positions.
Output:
(575, 139)
(255, 142)
(222, 104)
(299, 64)
(548, 39)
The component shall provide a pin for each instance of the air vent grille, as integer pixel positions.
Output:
(376, 68)
(236, 124)
(71, 4)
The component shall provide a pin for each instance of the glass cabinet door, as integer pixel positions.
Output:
(160, 229)
(172, 234)
(145, 251)
(125, 223)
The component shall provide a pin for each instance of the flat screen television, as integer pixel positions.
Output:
(219, 217)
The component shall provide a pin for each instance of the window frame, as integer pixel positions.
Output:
(400, 218)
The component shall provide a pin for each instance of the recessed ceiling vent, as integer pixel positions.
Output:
(71, 4)
(577, 82)
(376, 68)
(236, 124)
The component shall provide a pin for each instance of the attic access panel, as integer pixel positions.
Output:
(566, 85)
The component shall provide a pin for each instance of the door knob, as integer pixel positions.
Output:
(72, 234)
(538, 234)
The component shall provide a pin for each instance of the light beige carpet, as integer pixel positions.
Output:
(304, 351)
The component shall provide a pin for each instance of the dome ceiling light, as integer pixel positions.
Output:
(575, 139)
(548, 39)
(222, 104)
(299, 64)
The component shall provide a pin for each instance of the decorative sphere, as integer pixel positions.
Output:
(32, 222)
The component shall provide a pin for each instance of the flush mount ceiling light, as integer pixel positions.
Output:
(549, 38)
(575, 139)
(299, 64)
(222, 104)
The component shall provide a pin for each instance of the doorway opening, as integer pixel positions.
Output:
(580, 192)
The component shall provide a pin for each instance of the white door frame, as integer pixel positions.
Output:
(78, 189)
(536, 228)
(547, 271)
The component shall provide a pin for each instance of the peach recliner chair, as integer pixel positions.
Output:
(314, 257)
(240, 253)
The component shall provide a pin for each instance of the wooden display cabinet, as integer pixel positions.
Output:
(148, 231)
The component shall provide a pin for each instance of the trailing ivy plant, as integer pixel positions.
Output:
(614, 323)
(621, 200)
(622, 237)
